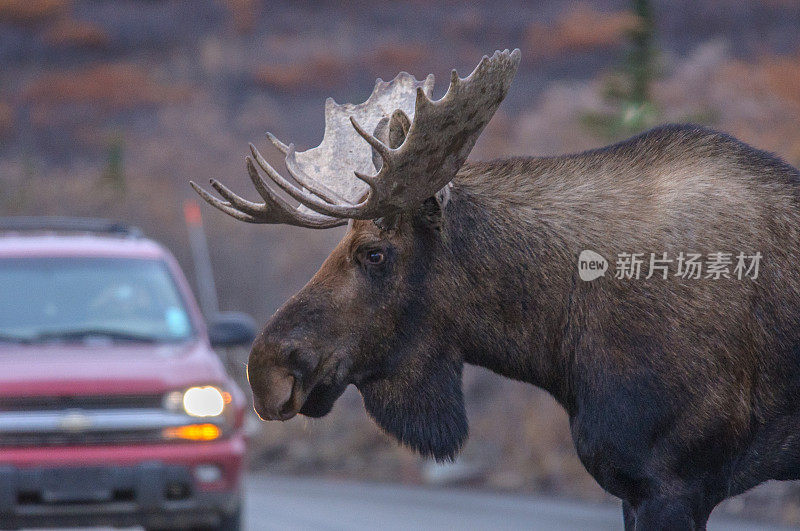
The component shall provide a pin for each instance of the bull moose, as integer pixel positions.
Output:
(681, 390)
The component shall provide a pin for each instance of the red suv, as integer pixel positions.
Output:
(114, 410)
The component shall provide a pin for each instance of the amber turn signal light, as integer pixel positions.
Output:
(193, 432)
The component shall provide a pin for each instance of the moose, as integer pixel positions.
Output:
(680, 391)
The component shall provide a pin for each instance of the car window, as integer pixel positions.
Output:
(74, 299)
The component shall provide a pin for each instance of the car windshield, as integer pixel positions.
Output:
(80, 299)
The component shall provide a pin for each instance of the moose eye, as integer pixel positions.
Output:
(374, 257)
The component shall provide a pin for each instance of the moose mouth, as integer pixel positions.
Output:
(321, 399)
(316, 402)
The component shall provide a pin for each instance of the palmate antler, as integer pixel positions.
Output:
(440, 138)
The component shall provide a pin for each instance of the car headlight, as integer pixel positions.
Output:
(206, 401)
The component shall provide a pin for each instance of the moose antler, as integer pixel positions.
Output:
(441, 136)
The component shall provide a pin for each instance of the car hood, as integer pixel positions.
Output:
(105, 368)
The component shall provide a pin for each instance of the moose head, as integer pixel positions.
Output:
(381, 313)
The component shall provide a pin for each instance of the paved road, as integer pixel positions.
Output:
(275, 503)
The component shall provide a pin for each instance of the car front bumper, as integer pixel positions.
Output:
(149, 485)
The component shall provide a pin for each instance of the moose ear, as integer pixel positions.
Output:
(431, 213)
(399, 124)
(421, 405)
(392, 131)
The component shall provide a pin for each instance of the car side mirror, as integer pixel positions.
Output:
(231, 329)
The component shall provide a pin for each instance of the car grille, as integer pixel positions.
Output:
(50, 403)
(86, 420)
(79, 439)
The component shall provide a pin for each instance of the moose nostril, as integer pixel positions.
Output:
(284, 395)
(273, 397)
(287, 409)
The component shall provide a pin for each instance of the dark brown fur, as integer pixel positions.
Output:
(680, 393)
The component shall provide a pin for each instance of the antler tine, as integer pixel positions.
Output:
(260, 210)
(273, 210)
(280, 146)
(304, 197)
(421, 102)
(237, 202)
(261, 186)
(310, 220)
(379, 146)
(454, 79)
(224, 207)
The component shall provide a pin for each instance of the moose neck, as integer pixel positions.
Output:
(518, 271)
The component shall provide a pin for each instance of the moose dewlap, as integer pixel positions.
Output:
(681, 391)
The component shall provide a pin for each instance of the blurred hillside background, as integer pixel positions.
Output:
(109, 108)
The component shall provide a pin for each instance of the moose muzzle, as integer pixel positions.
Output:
(276, 392)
